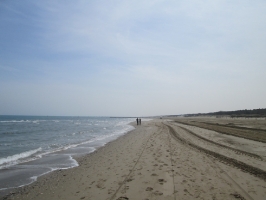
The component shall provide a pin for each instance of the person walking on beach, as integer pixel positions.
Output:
(137, 121)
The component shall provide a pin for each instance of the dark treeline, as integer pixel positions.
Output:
(261, 112)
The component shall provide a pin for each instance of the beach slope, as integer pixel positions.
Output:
(158, 160)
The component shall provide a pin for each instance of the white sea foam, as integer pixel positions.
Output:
(10, 160)
(16, 121)
(68, 137)
(74, 163)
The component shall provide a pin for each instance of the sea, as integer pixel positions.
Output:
(31, 146)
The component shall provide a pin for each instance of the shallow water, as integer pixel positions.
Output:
(31, 146)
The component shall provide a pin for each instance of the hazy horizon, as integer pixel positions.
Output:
(122, 116)
(131, 58)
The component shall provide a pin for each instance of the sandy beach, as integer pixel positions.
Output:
(166, 159)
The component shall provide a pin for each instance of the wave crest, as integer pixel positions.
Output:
(13, 159)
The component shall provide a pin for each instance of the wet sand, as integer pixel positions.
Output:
(161, 160)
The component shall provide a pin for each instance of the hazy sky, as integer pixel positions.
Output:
(131, 58)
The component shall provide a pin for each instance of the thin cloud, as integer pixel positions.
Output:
(145, 48)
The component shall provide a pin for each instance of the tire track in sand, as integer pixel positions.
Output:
(171, 158)
(238, 151)
(230, 161)
(228, 178)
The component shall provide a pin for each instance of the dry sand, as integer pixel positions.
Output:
(161, 160)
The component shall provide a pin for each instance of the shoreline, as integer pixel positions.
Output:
(156, 161)
(22, 190)
(26, 173)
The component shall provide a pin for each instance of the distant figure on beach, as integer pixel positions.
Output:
(137, 121)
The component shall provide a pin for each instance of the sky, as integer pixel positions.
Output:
(131, 58)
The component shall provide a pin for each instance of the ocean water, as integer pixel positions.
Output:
(31, 146)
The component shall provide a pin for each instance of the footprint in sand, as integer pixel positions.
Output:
(161, 181)
(100, 184)
(157, 193)
(122, 198)
(237, 196)
(149, 189)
